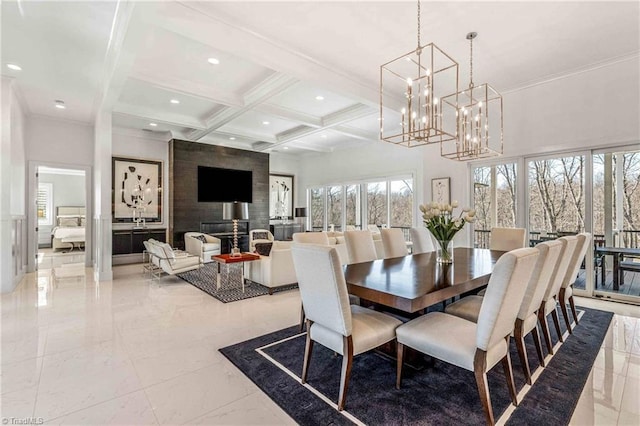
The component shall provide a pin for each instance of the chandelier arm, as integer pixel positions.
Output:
(418, 24)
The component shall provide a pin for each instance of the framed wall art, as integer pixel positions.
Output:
(280, 196)
(441, 190)
(136, 190)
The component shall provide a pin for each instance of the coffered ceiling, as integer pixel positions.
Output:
(295, 76)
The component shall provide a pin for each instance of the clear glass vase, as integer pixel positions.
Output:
(444, 251)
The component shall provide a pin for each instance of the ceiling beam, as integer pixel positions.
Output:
(191, 88)
(159, 117)
(288, 114)
(265, 90)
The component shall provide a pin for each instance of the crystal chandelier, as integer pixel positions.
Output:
(411, 90)
(478, 120)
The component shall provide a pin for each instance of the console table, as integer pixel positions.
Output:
(285, 231)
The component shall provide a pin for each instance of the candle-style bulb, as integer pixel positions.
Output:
(409, 81)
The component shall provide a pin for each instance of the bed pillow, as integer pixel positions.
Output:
(200, 237)
(263, 249)
(68, 221)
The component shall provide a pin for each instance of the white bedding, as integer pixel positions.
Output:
(68, 232)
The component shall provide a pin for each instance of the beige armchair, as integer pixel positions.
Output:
(202, 245)
(170, 261)
(257, 236)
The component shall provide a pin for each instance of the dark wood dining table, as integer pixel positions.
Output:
(415, 282)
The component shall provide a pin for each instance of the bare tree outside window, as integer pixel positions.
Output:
(352, 214)
(401, 202)
(334, 207)
(316, 196)
(377, 203)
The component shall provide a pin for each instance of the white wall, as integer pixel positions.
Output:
(13, 254)
(148, 146)
(59, 141)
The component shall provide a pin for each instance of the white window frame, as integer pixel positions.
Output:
(48, 219)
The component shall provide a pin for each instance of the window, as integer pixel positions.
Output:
(44, 204)
(494, 199)
(377, 203)
(556, 195)
(316, 201)
(334, 207)
(401, 203)
(387, 202)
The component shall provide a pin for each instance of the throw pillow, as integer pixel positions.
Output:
(263, 249)
(260, 235)
(201, 238)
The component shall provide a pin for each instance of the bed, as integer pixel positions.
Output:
(69, 230)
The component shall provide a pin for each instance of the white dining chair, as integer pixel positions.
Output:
(476, 347)
(421, 238)
(526, 320)
(507, 239)
(360, 246)
(566, 291)
(394, 243)
(550, 299)
(319, 238)
(346, 329)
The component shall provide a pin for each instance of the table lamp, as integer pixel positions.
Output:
(301, 212)
(235, 211)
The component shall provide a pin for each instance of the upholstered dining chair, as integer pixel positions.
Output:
(507, 239)
(360, 246)
(527, 318)
(346, 329)
(421, 238)
(394, 243)
(476, 347)
(550, 299)
(566, 291)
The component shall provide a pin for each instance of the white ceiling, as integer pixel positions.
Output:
(277, 57)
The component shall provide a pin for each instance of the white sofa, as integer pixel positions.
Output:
(275, 270)
(199, 248)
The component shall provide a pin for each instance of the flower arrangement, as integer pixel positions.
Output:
(443, 225)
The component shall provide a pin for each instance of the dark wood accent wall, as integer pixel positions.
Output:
(185, 212)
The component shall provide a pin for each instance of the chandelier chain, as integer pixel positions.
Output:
(471, 62)
(418, 23)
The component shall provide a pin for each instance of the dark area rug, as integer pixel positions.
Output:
(205, 277)
(439, 394)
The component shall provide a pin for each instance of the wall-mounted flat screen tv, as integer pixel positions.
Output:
(224, 185)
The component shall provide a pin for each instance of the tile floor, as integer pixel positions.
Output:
(133, 351)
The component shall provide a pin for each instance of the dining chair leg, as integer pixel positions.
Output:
(479, 370)
(565, 311)
(347, 362)
(399, 357)
(308, 347)
(538, 344)
(508, 372)
(302, 319)
(556, 323)
(544, 325)
(522, 351)
(573, 309)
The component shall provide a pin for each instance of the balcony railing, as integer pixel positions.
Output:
(626, 238)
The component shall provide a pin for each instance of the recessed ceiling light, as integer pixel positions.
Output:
(266, 123)
(174, 101)
(232, 138)
(286, 147)
(213, 61)
(153, 124)
(60, 104)
(323, 136)
(14, 67)
(319, 98)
